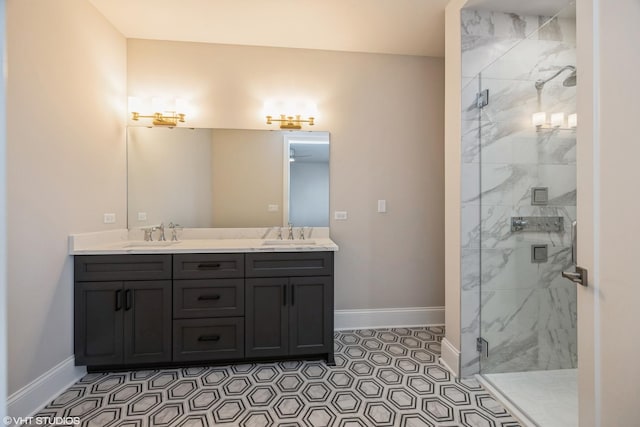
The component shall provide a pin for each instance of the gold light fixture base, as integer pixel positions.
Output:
(159, 119)
(290, 122)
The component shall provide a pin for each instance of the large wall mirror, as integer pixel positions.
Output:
(227, 177)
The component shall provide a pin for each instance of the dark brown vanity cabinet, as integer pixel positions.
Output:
(122, 309)
(135, 310)
(289, 315)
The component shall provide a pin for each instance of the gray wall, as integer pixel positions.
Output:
(385, 115)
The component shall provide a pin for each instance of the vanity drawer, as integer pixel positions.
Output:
(94, 268)
(208, 339)
(208, 298)
(289, 264)
(208, 266)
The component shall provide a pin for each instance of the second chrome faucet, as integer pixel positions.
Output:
(148, 232)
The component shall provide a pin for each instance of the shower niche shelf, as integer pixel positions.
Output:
(544, 224)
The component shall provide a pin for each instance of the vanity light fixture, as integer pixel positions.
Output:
(290, 122)
(291, 114)
(555, 121)
(165, 113)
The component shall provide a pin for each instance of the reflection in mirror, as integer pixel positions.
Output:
(308, 179)
(227, 178)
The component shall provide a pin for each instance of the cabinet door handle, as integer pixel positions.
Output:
(284, 294)
(119, 300)
(209, 338)
(128, 299)
(293, 294)
(208, 297)
(209, 266)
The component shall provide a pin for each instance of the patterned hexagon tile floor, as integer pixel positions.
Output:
(382, 377)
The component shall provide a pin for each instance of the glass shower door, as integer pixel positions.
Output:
(527, 203)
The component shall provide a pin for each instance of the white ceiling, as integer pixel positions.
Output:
(406, 27)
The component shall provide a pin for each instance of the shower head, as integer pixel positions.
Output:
(571, 80)
(568, 82)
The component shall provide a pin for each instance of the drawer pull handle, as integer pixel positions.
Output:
(208, 297)
(209, 338)
(209, 266)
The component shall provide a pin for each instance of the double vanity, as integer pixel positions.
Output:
(214, 296)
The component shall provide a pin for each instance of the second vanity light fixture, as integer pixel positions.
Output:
(290, 122)
(291, 115)
(165, 112)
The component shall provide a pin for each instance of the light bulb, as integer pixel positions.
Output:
(539, 119)
(557, 119)
(134, 104)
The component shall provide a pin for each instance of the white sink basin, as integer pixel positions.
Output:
(144, 244)
(296, 242)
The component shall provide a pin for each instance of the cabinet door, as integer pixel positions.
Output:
(147, 322)
(266, 322)
(98, 319)
(311, 315)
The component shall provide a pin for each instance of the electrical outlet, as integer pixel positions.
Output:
(340, 215)
(142, 216)
(109, 218)
(273, 208)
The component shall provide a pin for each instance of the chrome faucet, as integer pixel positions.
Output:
(290, 232)
(279, 233)
(301, 237)
(161, 228)
(174, 231)
(148, 237)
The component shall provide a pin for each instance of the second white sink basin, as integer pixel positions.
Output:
(296, 242)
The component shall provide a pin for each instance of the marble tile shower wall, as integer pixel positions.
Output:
(526, 311)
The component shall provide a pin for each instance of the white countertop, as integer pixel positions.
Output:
(199, 241)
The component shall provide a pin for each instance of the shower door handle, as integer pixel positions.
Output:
(580, 276)
(574, 243)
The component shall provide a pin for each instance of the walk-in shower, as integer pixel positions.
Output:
(518, 204)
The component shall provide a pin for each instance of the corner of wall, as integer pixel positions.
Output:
(452, 156)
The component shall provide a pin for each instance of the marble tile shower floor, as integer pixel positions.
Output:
(383, 377)
(548, 398)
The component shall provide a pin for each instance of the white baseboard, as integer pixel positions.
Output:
(388, 317)
(34, 396)
(450, 357)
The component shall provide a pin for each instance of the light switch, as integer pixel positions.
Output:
(109, 218)
(340, 215)
(382, 206)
